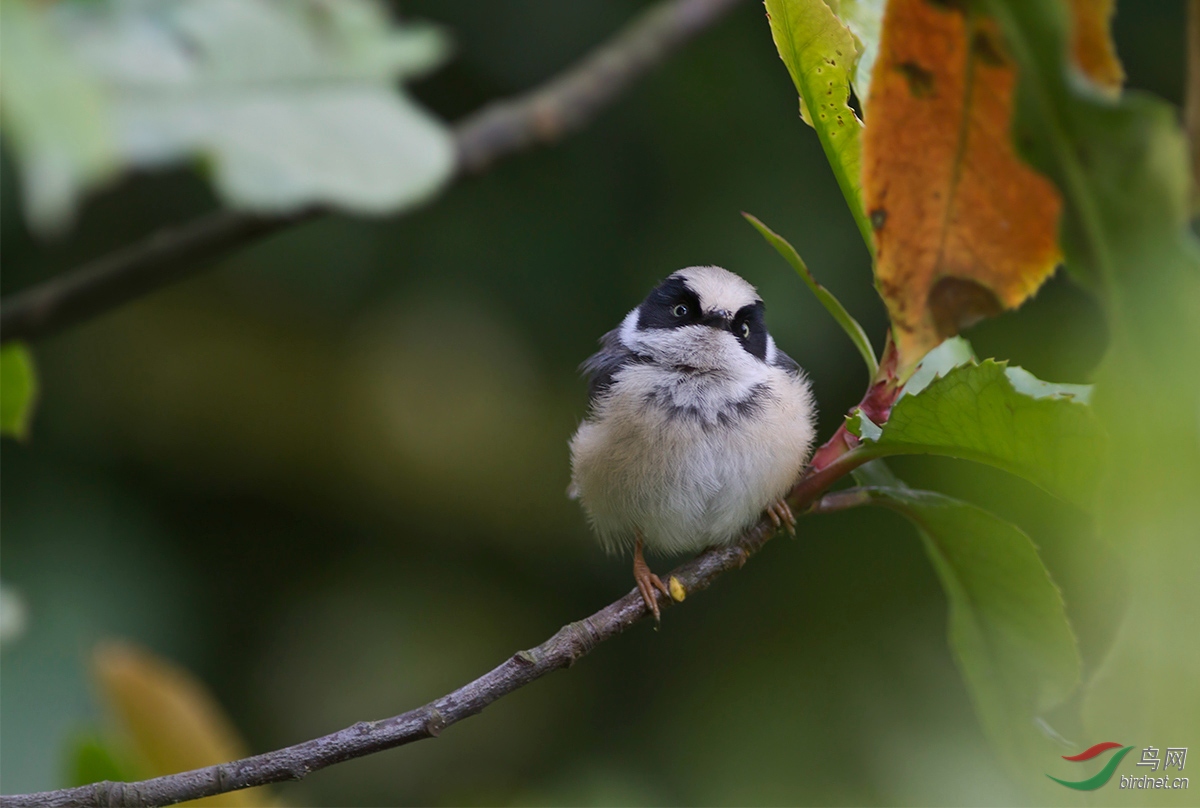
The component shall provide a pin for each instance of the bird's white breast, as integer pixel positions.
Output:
(690, 459)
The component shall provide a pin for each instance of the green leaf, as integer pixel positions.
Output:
(860, 426)
(1008, 628)
(55, 117)
(876, 473)
(980, 412)
(18, 390)
(1027, 384)
(90, 759)
(941, 360)
(864, 18)
(832, 305)
(288, 104)
(1123, 170)
(820, 52)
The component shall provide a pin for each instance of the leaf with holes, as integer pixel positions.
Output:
(819, 52)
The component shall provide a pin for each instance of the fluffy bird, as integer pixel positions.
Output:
(697, 425)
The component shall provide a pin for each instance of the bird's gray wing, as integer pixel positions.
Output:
(602, 366)
(784, 361)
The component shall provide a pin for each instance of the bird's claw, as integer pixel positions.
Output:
(647, 582)
(780, 514)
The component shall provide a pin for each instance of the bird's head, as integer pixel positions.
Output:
(705, 318)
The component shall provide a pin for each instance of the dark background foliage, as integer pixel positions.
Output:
(328, 476)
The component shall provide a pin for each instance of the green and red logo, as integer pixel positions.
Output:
(1101, 777)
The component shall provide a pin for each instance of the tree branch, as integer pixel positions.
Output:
(570, 101)
(562, 106)
(835, 459)
(571, 642)
(165, 257)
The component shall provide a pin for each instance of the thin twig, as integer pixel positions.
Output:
(571, 642)
(563, 105)
(571, 100)
(831, 462)
(165, 257)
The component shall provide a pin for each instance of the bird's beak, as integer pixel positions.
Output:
(719, 319)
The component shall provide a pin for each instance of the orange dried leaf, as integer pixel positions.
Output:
(964, 228)
(173, 723)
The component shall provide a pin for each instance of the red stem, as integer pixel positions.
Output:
(876, 405)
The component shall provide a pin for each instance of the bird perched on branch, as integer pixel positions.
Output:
(698, 423)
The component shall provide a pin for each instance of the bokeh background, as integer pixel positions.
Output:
(328, 476)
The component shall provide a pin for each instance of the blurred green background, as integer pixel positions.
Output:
(328, 475)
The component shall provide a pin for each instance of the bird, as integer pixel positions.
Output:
(697, 423)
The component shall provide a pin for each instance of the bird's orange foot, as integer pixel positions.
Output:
(647, 582)
(781, 515)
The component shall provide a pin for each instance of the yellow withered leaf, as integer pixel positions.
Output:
(173, 722)
(1091, 43)
(964, 228)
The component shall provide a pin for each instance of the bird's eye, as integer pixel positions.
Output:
(745, 330)
(680, 310)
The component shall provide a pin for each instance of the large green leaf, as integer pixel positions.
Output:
(832, 305)
(1008, 629)
(1002, 416)
(820, 52)
(289, 103)
(18, 390)
(1122, 168)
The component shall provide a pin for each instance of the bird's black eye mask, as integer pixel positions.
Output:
(672, 305)
(751, 330)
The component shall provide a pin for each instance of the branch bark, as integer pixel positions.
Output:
(564, 105)
(569, 644)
